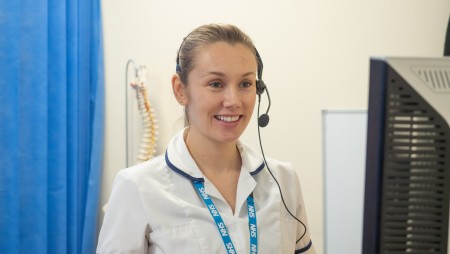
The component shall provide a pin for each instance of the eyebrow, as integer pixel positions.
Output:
(221, 74)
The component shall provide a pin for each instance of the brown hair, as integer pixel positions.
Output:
(204, 36)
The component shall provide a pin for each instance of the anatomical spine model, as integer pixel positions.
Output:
(149, 134)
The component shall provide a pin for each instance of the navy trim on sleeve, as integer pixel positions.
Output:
(181, 172)
(307, 247)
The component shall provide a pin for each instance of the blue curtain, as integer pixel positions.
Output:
(51, 125)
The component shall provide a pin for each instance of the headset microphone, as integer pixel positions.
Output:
(263, 120)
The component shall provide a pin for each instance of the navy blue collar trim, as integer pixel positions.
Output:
(307, 247)
(181, 172)
(196, 179)
(258, 169)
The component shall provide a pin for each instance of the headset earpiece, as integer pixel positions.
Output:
(260, 87)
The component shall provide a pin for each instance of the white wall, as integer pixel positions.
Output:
(315, 53)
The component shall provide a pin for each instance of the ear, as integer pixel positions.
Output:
(179, 90)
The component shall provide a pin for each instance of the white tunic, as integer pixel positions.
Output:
(154, 208)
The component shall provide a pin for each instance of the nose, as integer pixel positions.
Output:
(232, 97)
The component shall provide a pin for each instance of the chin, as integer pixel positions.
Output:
(229, 138)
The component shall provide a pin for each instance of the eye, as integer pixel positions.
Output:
(215, 84)
(246, 84)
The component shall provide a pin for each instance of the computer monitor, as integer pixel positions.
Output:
(407, 182)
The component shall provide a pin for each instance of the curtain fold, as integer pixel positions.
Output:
(51, 125)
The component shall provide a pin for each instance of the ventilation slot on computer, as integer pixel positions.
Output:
(437, 79)
(415, 178)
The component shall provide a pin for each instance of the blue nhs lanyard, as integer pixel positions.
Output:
(221, 225)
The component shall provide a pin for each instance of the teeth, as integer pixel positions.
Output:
(228, 118)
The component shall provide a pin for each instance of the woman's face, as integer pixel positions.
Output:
(221, 92)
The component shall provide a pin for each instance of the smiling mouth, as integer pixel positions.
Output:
(228, 119)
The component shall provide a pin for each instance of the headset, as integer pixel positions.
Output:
(263, 120)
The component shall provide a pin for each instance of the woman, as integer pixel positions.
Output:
(209, 193)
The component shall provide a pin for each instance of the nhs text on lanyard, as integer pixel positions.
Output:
(221, 225)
